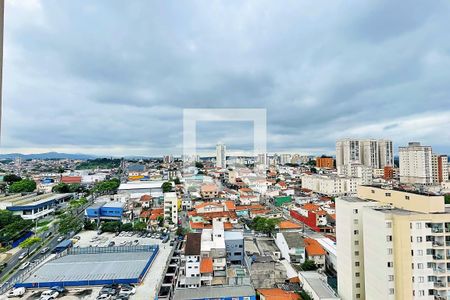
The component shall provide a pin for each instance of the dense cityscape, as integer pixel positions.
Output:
(273, 226)
(224, 150)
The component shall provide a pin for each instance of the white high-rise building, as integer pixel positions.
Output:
(415, 164)
(263, 159)
(221, 157)
(171, 207)
(368, 152)
(386, 153)
(285, 159)
(392, 245)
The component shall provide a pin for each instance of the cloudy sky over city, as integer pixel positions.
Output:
(113, 77)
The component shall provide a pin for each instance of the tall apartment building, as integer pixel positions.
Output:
(415, 164)
(221, 157)
(263, 159)
(325, 162)
(360, 171)
(392, 245)
(439, 167)
(372, 153)
(168, 159)
(285, 158)
(171, 207)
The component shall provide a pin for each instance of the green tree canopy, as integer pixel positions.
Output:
(308, 265)
(264, 225)
(107, 186)
(11, 178)
(140, 226)
(166, 187)
(68, 223)
(30, 242)
(23, 186)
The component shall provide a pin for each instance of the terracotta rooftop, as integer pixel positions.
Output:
(146, 198)
(313, 247)
(286, 224)
(278, 294)
(71, 179)
(206, 265)
(230, 205)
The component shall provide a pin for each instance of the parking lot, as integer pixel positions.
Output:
(92, 239)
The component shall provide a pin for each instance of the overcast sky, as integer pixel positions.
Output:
(113, 77)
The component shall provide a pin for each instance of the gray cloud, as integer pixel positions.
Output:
(109, 78)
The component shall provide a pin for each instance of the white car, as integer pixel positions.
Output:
(104, 297)
(127, 290)
(49, 295)
(17, 292)
(23, 255)
(60, 239)
(24, 265)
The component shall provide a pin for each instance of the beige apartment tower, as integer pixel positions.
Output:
(393, 245)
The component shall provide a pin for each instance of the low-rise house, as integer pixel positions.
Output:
(234, 244)
(291, 246)
(277, 294)
(315, 252)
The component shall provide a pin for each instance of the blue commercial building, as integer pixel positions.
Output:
(33, 206)
(105, 211)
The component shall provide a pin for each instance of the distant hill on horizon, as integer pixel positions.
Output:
(48, 155)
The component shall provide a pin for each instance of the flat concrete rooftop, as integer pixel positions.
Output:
(127, 265)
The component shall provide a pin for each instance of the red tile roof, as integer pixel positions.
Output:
(313, 247)
(230, 205)
(206, 265)
(71, 179)
(278, 294)
(286, 224)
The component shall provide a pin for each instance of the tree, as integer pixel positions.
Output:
(68, 223)
(264, 225)
(107, 186)
(140, 226)
(113, 226)
(308, 265)
(160, 221)
(176, 180)
(11, 178)
(23, 186)
(61, 188)
(127, 227)
(447, 198)
(89, 225)
(166, 187)
(29, 242)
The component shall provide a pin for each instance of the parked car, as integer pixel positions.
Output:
(127, 289)
(165, 239)
(112, 243)
(122, 297)
(24, 265)
(60, 239)
(17, 292)
(23, 255)
(44, 250)
(77, 237)
(49, 295)
(59, 289)
(47, 234)
(104, 297)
